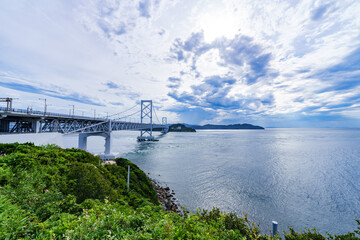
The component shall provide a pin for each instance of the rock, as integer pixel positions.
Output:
(166, 198)
(168, 204)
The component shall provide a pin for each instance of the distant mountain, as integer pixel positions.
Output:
(231, 126)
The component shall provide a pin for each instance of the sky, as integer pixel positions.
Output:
(269, 63)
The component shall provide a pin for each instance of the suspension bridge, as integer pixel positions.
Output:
(15, 121)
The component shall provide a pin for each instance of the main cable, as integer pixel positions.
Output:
(127, 115)
(123, 111)
(156, 116)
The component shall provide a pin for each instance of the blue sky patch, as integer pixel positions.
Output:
(319, 12)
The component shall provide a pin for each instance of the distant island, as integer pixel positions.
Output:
(230, 126)
(183, 127)
(180, 128)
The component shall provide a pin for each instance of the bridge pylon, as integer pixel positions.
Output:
(164, 123)
(146, 114)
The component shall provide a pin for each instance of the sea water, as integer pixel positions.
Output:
(297, 177)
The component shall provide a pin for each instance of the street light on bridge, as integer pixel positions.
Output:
(73, 109)
(94, 113)
(45, 105)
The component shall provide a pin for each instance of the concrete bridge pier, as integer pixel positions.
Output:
(165, 130)
(107, 135)
(83, 141)
(36, 126)
(107, 143)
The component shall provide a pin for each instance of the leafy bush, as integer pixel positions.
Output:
(87, 182)
(15, 222)
(53, 193)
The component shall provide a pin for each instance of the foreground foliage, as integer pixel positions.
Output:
(53, 193)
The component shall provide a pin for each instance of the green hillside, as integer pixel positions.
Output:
(51, 193)
(178, 127)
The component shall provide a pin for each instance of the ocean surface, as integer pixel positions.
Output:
(297, 177)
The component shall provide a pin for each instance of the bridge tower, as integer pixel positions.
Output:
(146, 115)
(164, 122)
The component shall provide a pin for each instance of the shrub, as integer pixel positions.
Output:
(86, 182)
(51, 193)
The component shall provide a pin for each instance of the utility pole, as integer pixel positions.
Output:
(45, 105)
(73, 109)
(94, 113)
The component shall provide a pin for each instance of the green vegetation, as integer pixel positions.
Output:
(230, 126)
(180, 128)
(53, 193)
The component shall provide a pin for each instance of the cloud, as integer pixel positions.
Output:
(182, 97)
(350, 63)
(319, 12)
(249, 58)
(117, 103)
(214, 94)
(192, 115)
(174, 82)
(162, 32)
(236, 64)
(174, 79)
(144, 8)
(218, 82)
(60, 47)
(51, 93)
(229, 60)
(342, 76)
(112, 85)
(193, 43)
(108, 29)
(296, 69)
(173, 86)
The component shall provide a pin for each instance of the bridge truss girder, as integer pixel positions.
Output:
(22, 127)
(68, 126)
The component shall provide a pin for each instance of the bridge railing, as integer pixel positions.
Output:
(48, 114)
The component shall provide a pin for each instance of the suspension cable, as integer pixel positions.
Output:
(129, 115)
(123, 111)
(156, 116)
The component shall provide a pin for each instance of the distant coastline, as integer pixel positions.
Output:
(183, 127)
(180, 128)
(230, 126)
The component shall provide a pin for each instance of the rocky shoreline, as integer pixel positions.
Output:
(165, 195)
(167, 198)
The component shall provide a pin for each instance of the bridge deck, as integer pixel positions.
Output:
(26, 121)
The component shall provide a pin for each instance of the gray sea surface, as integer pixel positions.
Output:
(297, 177)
